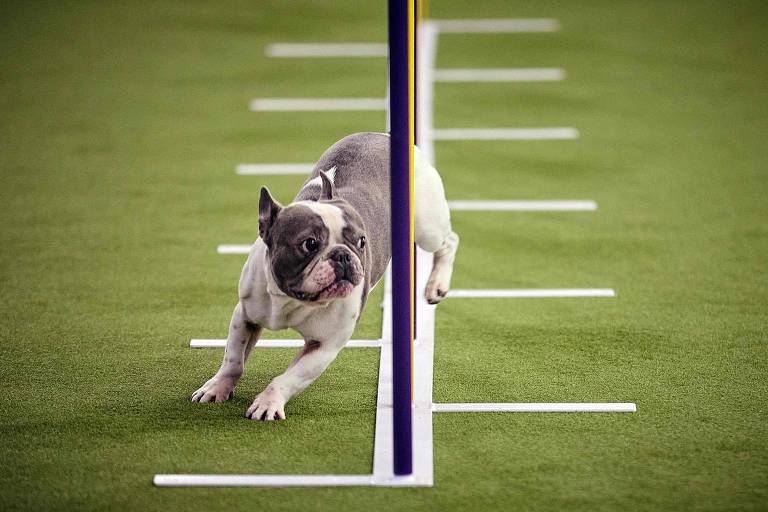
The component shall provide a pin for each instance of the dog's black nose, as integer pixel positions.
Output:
(341, 256)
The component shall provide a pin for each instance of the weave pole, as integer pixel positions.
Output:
(401, 108)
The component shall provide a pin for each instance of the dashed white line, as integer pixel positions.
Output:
(316, 104)
(532, 293)
(271, 343)
(536, 407)
(491, 25)
(273, 169)
(524, 206)
(233, 249)
(196, 480)
(500, 75)
(560, 133)
(300, 50)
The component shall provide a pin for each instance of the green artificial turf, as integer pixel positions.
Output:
(122, 124)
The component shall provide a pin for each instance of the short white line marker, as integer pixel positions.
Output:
(233, 249)
(316, 104)
(261, 480)
(506, 134)
(273, 169)
(524, 206)
(536, 407)
(522, 293)
(500, 75)
(221, 343)
(298, 50)
(497, 25)
(198, 480)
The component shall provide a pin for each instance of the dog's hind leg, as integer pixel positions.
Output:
(432, 226)
(442, 269)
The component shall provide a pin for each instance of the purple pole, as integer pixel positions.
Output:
(400, 114)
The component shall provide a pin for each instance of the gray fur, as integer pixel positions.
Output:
(362, 179)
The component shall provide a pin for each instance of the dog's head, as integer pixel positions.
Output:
(316, 249)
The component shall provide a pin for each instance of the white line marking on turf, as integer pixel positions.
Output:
(261, 480)
(496, 25)
(233, 249)
(273, 169)
(262, 343)
(506, 134)
(316, 104)
(536, 407)
(524, 206)
(198, 480)
(500, 75)
(298, 50)
(533, 293)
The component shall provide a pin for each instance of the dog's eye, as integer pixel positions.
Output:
(309, 245)
(361, 242)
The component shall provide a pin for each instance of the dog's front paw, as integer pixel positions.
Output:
(218, 389)
(269, 405)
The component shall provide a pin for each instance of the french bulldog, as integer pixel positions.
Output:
(317, 259)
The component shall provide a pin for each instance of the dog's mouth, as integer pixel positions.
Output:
(338, 289)
(335, 290)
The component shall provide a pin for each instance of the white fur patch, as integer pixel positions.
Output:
(332, 217)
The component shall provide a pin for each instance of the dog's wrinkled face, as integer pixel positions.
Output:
(317, 249)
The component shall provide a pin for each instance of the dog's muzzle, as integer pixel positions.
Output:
(345, 265)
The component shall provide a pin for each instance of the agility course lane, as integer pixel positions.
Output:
(423, 407)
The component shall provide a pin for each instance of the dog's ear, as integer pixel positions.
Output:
(268, 210)
(328, 191)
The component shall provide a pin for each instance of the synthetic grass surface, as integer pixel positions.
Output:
(122, 125)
